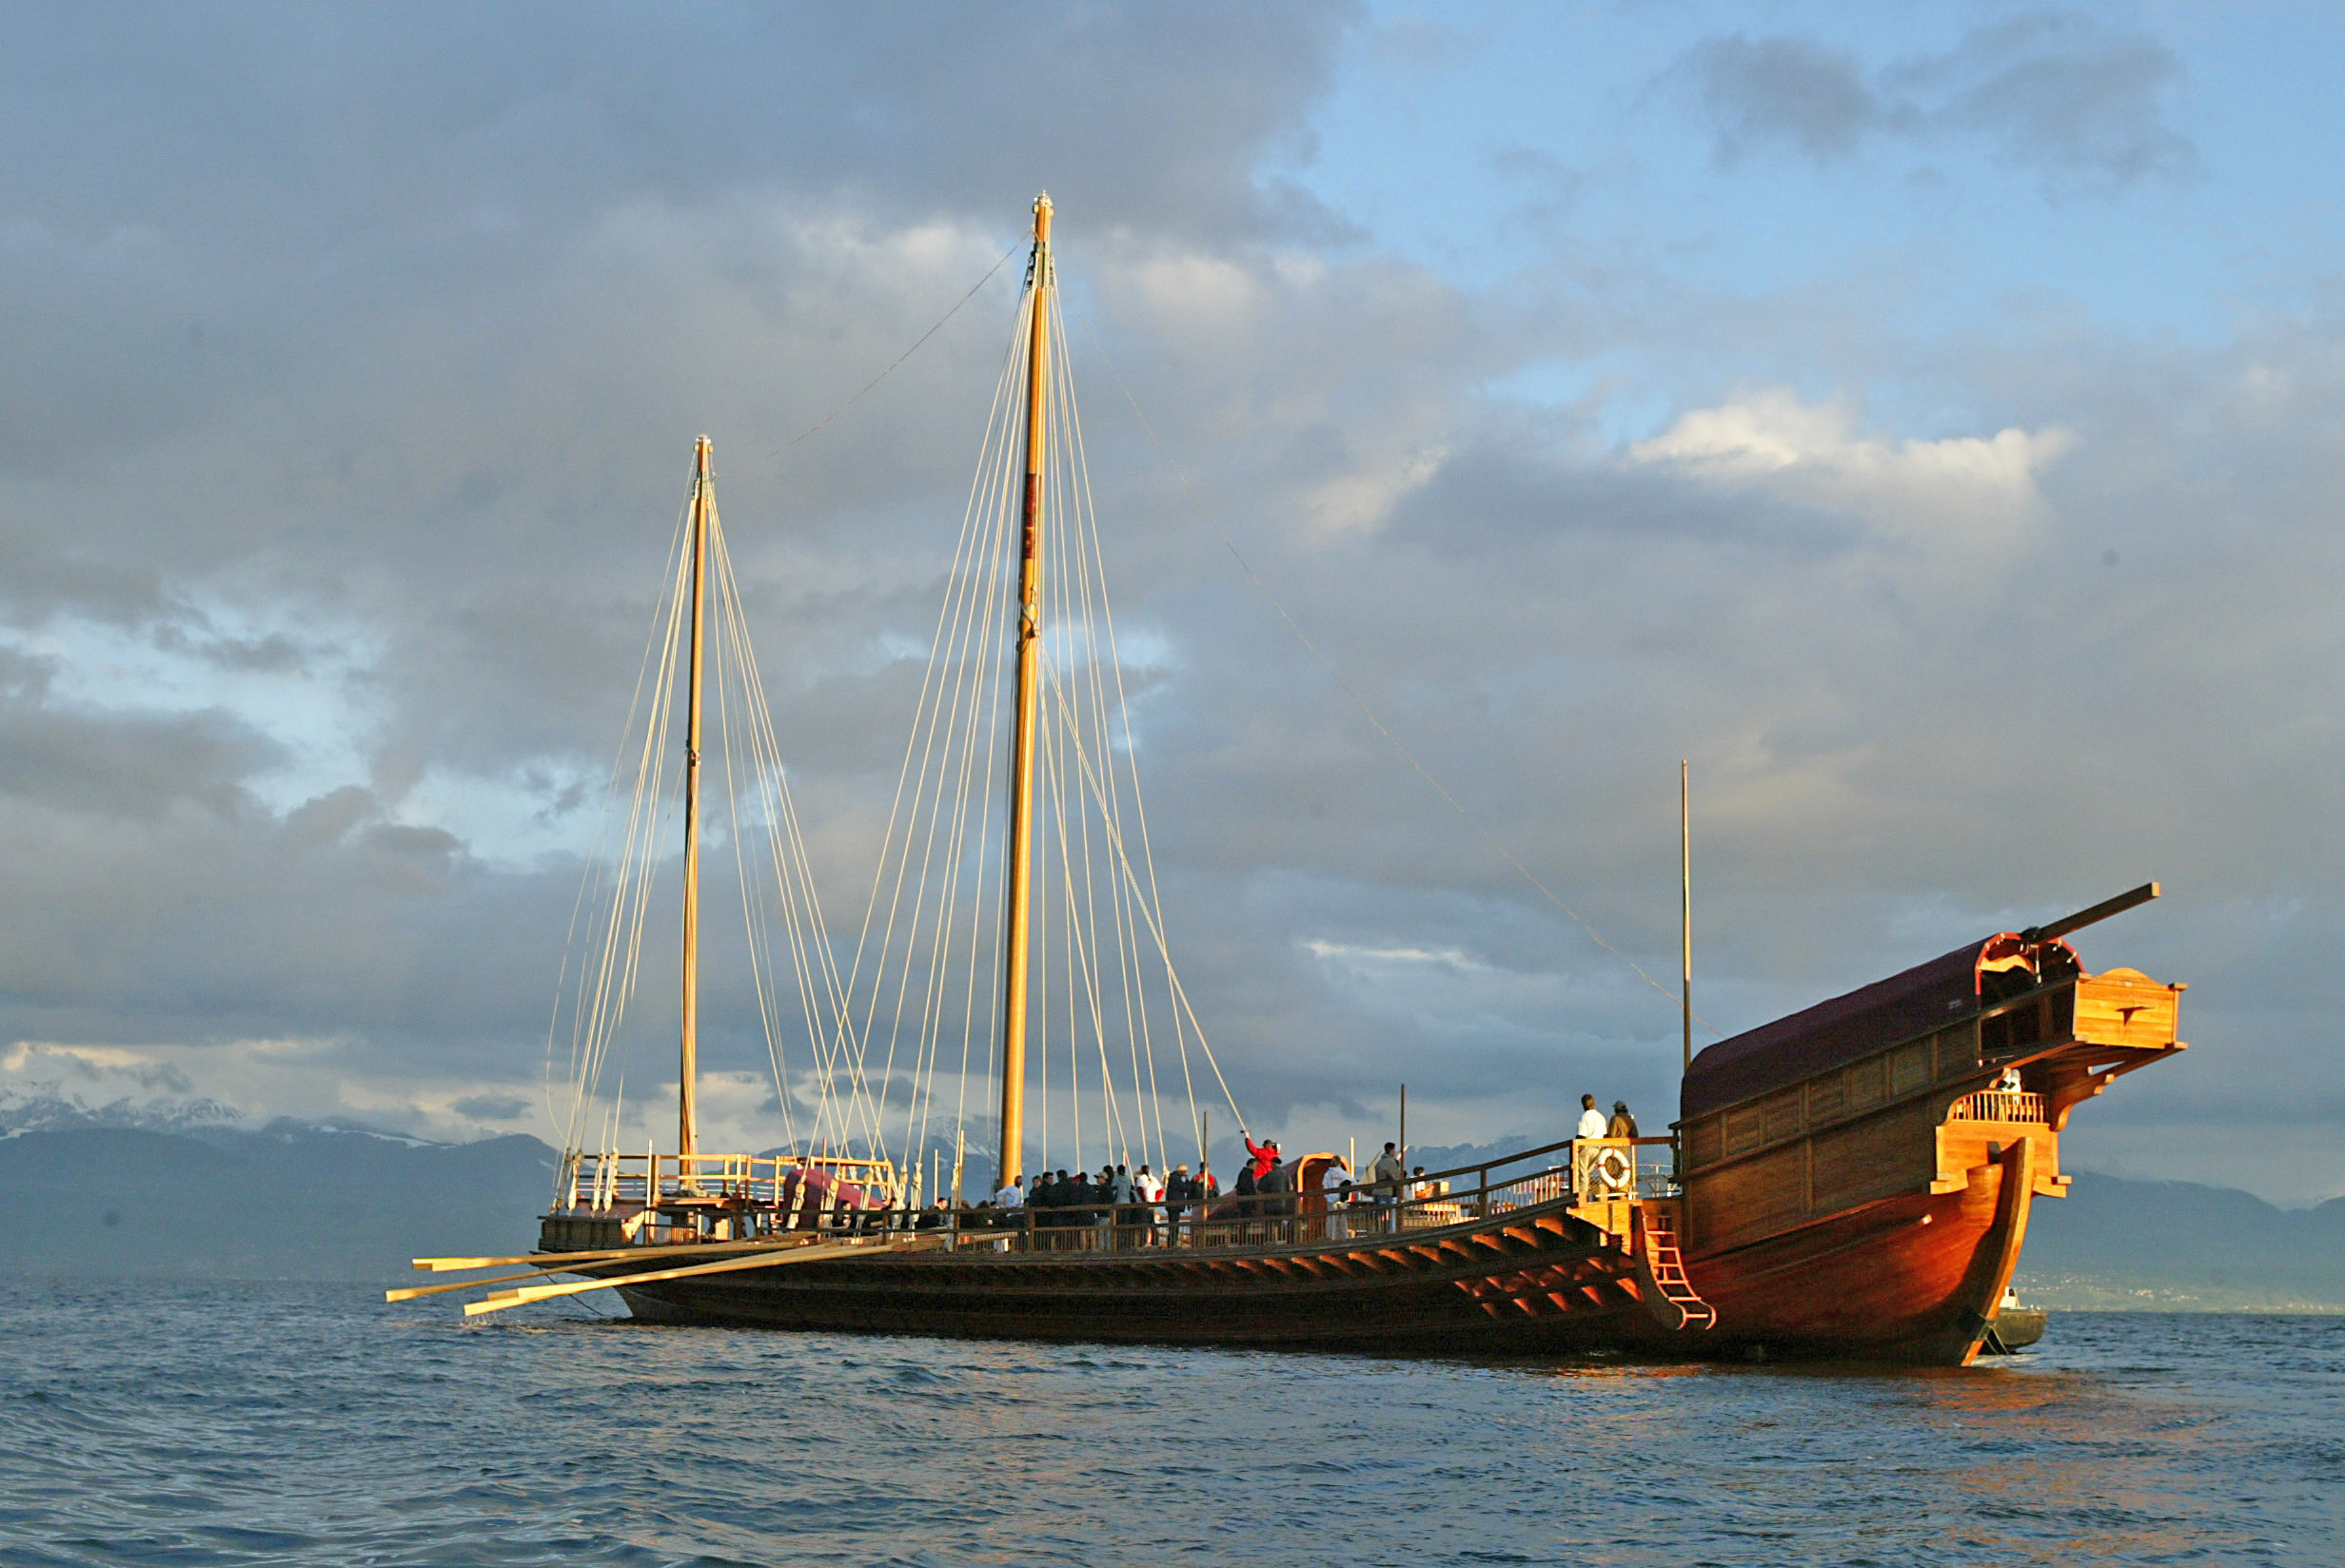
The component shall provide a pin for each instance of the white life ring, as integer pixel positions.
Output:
(1612, 1168)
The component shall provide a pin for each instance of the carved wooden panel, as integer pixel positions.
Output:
(1749, 1200)
(1827, 1098)
(1781, 1113)
(2126, 1008)
(1745, 1130)
(1867, 1083)
(1958, 1052)
(1909, 1067)
(1891, 1153)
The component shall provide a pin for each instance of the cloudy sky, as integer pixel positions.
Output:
(1926, 421)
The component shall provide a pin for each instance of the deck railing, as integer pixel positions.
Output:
(1589, 1170)
(603, 1183)
(1998, 1105)
(1612, 1168)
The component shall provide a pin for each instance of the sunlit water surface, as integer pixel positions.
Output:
(304, 1423)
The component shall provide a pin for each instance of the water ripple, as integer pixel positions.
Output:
(200, 1424)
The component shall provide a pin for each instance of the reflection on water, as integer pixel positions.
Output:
(203, 1424)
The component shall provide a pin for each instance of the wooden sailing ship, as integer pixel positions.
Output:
(1853, 1180)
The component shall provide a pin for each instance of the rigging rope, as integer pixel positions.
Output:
(1357, 700)
(883, 375)
(941, 871)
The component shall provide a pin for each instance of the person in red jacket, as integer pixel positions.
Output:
(1265, 1155)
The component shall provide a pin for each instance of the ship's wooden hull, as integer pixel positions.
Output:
(1909, 1279)
(1536, 1282)
(1912, 1278)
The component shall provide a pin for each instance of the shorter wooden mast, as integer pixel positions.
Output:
(687, 1111)
(1685, 900)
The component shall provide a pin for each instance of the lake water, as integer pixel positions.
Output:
(308, 1424)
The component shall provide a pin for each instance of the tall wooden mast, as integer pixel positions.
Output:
(687, 1118)
(1020, 880)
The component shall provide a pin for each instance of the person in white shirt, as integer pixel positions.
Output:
(1588, 1177)
(1149, 1188)
(1335, 1181)
(1592, 1125)
(1591, 1120)
(1012, 1195)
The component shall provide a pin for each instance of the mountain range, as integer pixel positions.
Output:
(200, 1196)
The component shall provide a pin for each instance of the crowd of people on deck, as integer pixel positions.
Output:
(1124, 1208)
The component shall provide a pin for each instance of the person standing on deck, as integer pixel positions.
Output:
(1279, 1185)
(1383, 1185)
(1591, 1120)
(1388, 1171)
(1122, 1189)
(1585, 1177)
(1263, 1154)
(1179, 1192)
(1109, 1214)
(1151, 1193)
(1010, 1209)
(1335, 1185)
(1624, 1126)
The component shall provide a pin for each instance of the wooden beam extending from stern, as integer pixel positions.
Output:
(2092, 916)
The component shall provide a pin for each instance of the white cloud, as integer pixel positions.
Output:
(1349, 952)
(1365, 495)
(1938, 497)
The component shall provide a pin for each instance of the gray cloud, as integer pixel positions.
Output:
(2057, 94)
(1782, 91)
(492, 1108)
(2060, 95)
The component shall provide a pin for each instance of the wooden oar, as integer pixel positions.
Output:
(502, 1299)
(572, 1264)
(444, 1266)
(466, 1284)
